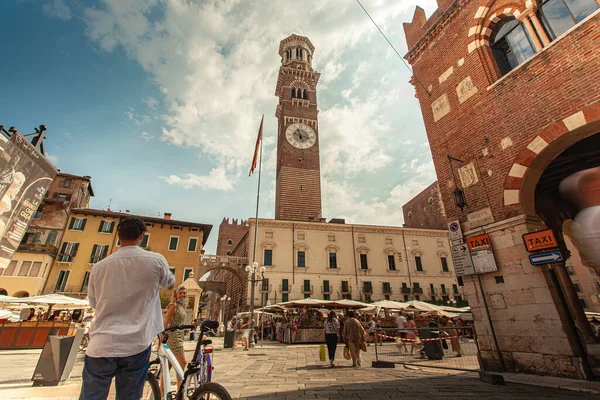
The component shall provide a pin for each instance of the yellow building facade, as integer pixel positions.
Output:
(92, 235)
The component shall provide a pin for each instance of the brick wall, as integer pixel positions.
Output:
(425, 210)
(230, 231)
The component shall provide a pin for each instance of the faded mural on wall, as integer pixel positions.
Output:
(25, 175)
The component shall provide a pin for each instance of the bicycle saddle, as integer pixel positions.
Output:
(206, 342)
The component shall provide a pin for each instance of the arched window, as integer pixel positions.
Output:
(511, 44)
(410, 215)
(558, 16)
(305, 95)
(51, 238)
(230, 242)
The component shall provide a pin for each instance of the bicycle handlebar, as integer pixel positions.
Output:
(179, 328)
(205, 326)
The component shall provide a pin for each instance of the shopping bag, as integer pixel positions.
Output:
(322, 352)
(347, 355)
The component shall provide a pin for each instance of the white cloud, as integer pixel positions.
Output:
(215, 180)
(57, 9)
(146, 136)
(151, 102)
(138, 119)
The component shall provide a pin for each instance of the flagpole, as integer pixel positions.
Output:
(253, 281)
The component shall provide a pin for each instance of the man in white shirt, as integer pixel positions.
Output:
(123, 288)
(400, 322)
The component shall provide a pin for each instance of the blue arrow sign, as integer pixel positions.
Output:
(545, 258)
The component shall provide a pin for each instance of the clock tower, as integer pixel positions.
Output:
(298, 187)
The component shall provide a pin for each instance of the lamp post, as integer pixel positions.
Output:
(224, 302)
(251, 271)
(452, 302)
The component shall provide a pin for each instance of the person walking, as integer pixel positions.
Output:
(412, 335)
(123, 289)
(176, 316)
(355, 338)
(331, 329)
(372, 326)
(400, 324)
(245, 328)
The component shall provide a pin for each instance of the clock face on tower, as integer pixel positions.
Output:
(301, 136)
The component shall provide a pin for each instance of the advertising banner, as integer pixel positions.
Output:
(25, 175)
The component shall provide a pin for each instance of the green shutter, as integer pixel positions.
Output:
(72, 222)
(93, 252)
(63, 248)
(83, 224)
(75, 249)
(105, 251)
(100, 226)
(112, 226)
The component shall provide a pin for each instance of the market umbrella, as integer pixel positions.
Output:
(9, 299)
(441, 313)
(345, 303)
(456, 309)
(421, 306)
(306, 303)
(54, 299)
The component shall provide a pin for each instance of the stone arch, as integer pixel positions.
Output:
(529, 165)
(485, 21)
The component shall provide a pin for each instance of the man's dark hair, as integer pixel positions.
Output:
(131, 228)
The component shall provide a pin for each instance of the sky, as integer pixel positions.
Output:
(159, 101)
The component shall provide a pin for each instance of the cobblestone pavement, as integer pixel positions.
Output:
(294, 373)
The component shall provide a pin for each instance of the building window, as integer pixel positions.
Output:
(345, 287)
(145, 240)
(84, 284)
(67, 183)
(77, 224)
(301, 259)
(430, 201)
(577, 287)
(460, 281)
(332, 260)
(363, 262)
(307, 286)
(326, 287)
(228, 253)
(331, 238)
(99, 252)
(454, 288)
(35, 269)
(230, 242)
(583, 303)
(405, 298)
(25, 267)
(68, 251)
(61, 282)
(38, 213)
(192, 244)
(443, 288)
(558, 16)
(444, 264)
(387, 287)
(284, 297)
(326, 296)
(268, 257)
(367, 287)
(418, 263)
(51, 238)
(173, 243)
(361, 239)
(391, 262)
(570, 270)
(410, 215)
(172, 270)
(285, 285)
(431, 288)
(106, 226)
(187, 272)
(511, 44)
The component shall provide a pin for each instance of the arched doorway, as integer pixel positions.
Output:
(21, 293)
(570, 151)
(3, 292)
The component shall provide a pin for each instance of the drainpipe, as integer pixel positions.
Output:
(354, 251)
(293, 251)
(407, 263)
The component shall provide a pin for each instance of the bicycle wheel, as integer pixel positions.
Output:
(211, 391)
(151, 388)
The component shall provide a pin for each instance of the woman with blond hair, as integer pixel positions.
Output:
(176, 316)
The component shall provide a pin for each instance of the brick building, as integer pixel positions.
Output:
(510, 97)
(425, 210)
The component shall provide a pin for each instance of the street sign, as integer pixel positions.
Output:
(546, 258)
(483, 261)
(455, 231)
(461, 258)
(480, 242)
(541, 240)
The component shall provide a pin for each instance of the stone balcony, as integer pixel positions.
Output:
(39, 248)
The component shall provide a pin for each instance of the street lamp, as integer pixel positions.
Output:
(251, 271)
(224, 302)
(452, 302)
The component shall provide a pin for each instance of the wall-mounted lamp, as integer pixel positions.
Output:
(458, 193)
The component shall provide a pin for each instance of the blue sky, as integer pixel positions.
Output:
(160, 100)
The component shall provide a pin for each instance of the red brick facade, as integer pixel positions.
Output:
(425, 210)
(230, 235)
(503, 133)
(298, 185)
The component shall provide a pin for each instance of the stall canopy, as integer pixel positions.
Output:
(421, 306)
(54, 299)
(345, 303)
(306, 303)
(9, 299)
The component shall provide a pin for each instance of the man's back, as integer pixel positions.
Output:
(123, 289)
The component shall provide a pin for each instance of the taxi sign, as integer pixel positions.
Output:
(540, 240)
(480, 242)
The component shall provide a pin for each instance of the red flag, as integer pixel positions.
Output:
(258, 139)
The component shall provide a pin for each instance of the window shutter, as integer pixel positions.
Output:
(94, 249)
(72, 223)
(63, 248)
(62, 182)
(83, 224)
(75, 247)
(112, 226)
(100, 226)
(104, 251)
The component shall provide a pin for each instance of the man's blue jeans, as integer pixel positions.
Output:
(130, 373)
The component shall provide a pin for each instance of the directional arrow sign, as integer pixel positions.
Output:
(545, 258)
(461, 258)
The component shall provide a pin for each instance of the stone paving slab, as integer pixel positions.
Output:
(296, 373)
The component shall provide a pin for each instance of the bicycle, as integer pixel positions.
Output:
(195, 381)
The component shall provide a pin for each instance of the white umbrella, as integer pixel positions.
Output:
(422, 306)
(9, 299)
(306, 302)
(345, 303)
